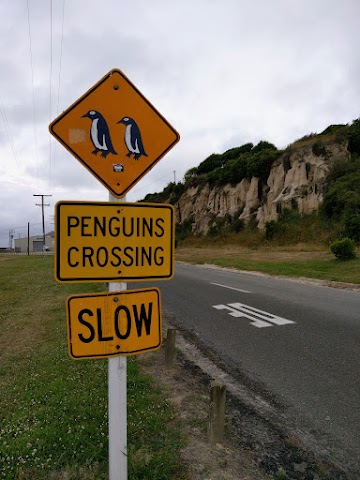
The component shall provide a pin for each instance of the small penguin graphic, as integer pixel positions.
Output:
(99, 134)
(133, 140)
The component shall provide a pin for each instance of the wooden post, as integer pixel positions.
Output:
(217, 411)
(170, 347)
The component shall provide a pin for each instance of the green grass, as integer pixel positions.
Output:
(53, 410)
(323, 269)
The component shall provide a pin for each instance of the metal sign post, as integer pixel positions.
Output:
(117, 408)
(117, 417)
(118, 136)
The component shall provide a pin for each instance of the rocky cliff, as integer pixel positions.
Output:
(296, 180)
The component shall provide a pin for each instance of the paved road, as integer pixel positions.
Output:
(299, 342)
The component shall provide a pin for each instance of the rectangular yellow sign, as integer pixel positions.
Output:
(111, 324)
(104, 241)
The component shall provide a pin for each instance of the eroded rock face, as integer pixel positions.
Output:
(296, 180)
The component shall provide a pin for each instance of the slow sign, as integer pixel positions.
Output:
(111, 324)
(98, 241)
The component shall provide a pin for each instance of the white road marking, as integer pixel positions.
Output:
(231, 288)
(260, 319)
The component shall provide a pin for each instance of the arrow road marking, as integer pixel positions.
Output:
(260, 319)
(231, 288)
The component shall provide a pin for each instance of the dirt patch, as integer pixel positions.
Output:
(3, 257)
(258, 444)
(189, 395)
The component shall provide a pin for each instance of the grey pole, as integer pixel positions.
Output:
(42, 205)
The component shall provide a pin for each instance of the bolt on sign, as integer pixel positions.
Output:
(104, 241)
(115, 132)
(112, 324)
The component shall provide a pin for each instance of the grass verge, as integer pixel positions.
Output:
(296, 261)
(53, 410)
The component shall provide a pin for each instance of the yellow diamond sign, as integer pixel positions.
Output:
(115, 132)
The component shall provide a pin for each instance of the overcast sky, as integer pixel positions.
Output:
(223, 73)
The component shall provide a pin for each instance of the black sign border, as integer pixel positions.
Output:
(61, 279)
(104, 79)
(110, 294)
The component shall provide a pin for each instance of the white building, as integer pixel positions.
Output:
(35, 243)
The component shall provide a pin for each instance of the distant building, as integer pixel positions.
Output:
(36, 243)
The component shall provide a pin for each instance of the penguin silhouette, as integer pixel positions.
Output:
(133, 140)
(99, 134)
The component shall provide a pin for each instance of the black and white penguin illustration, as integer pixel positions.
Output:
(99, 134)
(133, 140)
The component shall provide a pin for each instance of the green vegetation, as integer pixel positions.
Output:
(298, 261)
(292, 228)
(235, 164)
(339, 214)
(338, 217)
(341, 202)
(53, 410)
(248, 161)
(219, 169)
(183, 230)
(170, 194)
(343, 249)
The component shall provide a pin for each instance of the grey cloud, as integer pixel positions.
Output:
(222, 74)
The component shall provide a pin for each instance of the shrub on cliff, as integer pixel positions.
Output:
(342, 191)
(353, 135)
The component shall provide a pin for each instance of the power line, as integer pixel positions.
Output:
(61, 51)
(6, 123)
(19, 228)
(33, 90)
(150, 184)
(50, 93)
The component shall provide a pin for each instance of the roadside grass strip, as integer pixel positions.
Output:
(53, 410)
(317, 267)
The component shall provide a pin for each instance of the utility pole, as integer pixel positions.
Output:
(11, 236)
(42, 205)
(28, 244)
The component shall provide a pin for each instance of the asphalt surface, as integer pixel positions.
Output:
(298, 343)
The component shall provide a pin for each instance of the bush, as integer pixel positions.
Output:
(319, 149)
(342, 190)
(331, 129)
(259, 164)
(191, 173)
(352, 228)
(263, 145)
(354, 137)
(215, 230)
(183, 230)
(210, 163)
(270, 229)
(234, 153)
(343, 249)
(236, 225)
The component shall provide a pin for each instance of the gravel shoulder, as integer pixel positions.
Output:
(187, 387)
(259, 443)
